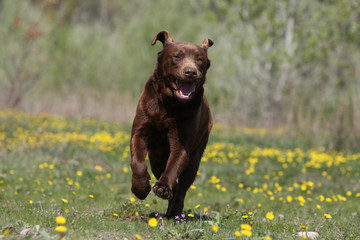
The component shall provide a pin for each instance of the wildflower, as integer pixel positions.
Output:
(191, 215)
(31, 202)
(115, 214)
(197, 206)
(79, 173)
(61, 229)
(137, 236)
(153, 222)
(327, 216)
(98, 168)
(246, 227)
(237, 233)
(5, 232)
(60, 220)
(214, 228)
(64, 200)
(270, 215)
(267, 238)
(91, 196)
(132, 199)
(247, 233)
(318, 206)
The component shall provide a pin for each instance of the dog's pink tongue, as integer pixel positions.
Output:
(187, 88)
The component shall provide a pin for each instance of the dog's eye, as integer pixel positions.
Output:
(200, 59)
(177, 56)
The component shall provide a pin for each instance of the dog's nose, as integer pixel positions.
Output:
(190, 72)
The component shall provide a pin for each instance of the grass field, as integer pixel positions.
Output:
(249, 186)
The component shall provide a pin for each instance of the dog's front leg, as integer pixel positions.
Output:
(140, 176)
(177, 161)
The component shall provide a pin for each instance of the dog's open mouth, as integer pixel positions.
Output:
(183, 90)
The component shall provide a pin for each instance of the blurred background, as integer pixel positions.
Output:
(286, 64)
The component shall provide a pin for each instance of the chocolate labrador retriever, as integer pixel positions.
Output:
(172, 122)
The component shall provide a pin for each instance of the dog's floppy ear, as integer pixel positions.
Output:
(207, 43)
(164, 37)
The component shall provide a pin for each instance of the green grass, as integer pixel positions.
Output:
(79, 169)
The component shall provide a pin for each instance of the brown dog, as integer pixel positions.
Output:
(172, 122)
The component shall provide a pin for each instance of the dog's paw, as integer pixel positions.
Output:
(163, 191)
(140, 188)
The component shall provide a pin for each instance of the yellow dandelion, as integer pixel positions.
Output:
(61, 229)
(98, 168)
(318, 206)
(197, 206)
(237, 233)
(79, 173)
(245, 227)
(115, 214)
(5, 232)
(270, 215)
(153, 222)
(132, 199)
(60, 220)
(191, 215)
(64, 200)
(247, 233)
(137, 236)
(267, 238)
(214, 228)
(327, 216)
(91, 196)
(31, 202)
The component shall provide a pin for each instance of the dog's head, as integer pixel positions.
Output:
(181, 67)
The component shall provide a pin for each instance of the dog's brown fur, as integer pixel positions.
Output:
(172, 122)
